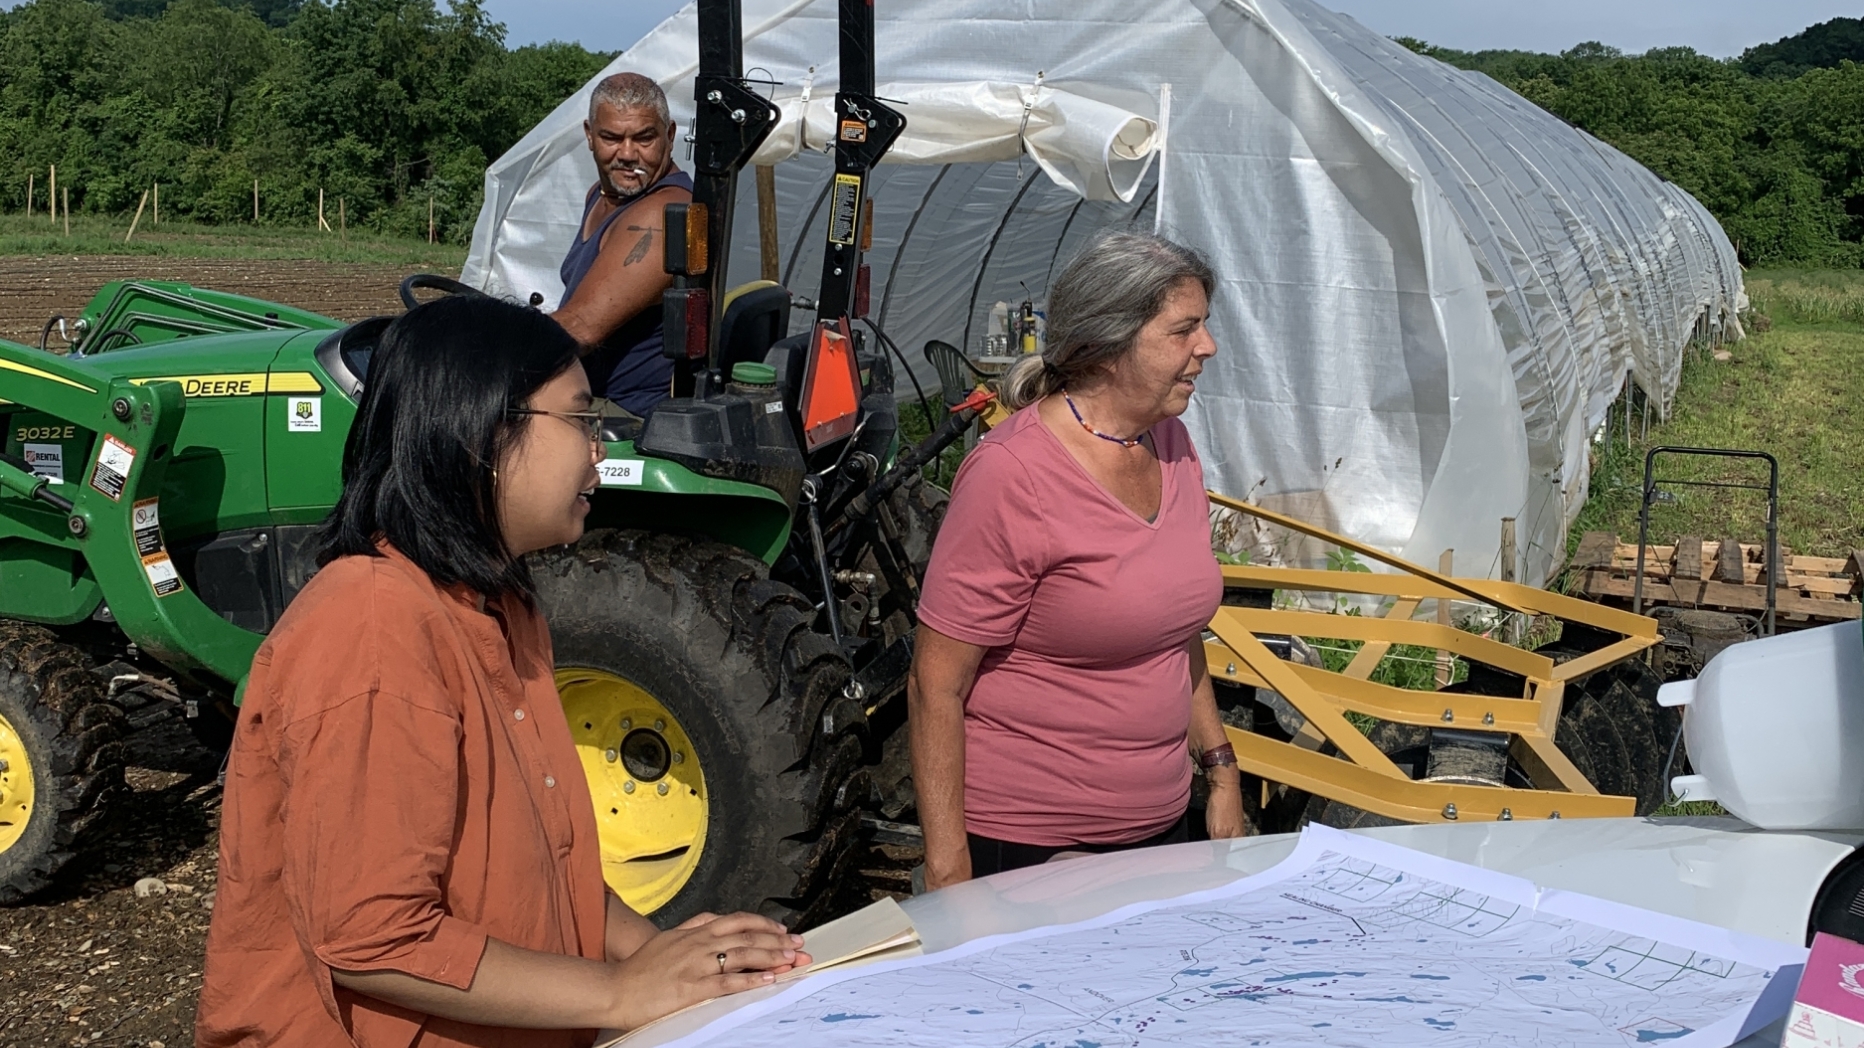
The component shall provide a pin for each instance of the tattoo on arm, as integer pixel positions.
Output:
(641, 246)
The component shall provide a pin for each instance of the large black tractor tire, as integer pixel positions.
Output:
(777, 749)
(915, 511)
(211, 720)
(61, 741)
(911, 513)
(918, 507)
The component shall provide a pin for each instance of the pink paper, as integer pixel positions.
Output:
(1834, 979)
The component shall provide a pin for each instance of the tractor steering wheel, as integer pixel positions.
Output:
(433, 282)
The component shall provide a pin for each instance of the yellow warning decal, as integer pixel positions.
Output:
(8, 365)
(250, 384)
(163, 578)
(844, 209)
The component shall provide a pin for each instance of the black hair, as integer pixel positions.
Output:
(419, 465)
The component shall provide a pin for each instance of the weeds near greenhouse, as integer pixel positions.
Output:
(1809, 296)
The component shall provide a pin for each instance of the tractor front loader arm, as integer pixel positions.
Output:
(113, 522)
(16, 475)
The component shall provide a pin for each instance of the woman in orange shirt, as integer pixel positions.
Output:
(408, 851)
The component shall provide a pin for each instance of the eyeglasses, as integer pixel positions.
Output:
(590, 422)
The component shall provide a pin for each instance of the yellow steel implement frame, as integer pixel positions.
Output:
(1362, 775)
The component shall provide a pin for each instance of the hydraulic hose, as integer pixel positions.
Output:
(910, 463)
(45, 333)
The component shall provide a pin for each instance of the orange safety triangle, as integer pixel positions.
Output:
(832, 397)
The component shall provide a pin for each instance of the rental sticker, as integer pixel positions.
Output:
(46, 460)
(622, 472)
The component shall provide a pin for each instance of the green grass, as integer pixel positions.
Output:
(914, 428)
(102, 235)
(1691, 808)
(1404, 666)
(1792, 388)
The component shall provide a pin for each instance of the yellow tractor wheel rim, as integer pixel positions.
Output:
(645, 779)
(15, 785)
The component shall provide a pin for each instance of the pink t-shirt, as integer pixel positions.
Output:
(1075, 730)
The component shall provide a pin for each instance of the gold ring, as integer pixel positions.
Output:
(721, 964)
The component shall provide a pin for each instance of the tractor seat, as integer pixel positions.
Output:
(618, 424)
(346, 354)
(756, 315)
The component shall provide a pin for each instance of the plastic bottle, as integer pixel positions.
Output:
(757, 383)
(1775, 729)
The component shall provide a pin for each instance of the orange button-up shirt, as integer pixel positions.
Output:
(402, 786)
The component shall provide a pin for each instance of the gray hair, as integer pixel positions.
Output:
(630, 91)
(1096, 308)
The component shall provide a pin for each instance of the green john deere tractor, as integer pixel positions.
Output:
(732, 635)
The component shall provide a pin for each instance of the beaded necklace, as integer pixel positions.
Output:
(1121, 441)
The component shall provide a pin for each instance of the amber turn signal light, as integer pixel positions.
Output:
(686, 250)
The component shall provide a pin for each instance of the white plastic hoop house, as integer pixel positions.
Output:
(1431, 290)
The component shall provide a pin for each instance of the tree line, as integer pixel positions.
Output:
(1772, 143)
(389, 105)
(386, 105)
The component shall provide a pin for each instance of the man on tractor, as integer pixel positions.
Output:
(612, 275)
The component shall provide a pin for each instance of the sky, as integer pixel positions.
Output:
(1723, 28)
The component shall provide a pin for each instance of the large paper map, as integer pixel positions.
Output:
(1350, 941)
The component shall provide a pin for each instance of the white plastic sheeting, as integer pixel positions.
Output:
(1431, 290)
(1093, 149)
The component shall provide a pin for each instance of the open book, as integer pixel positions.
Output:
(881, 932)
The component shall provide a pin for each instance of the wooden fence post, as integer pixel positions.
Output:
(29, 195)
(132, 222)
(321, 224)
(1446, 565)
(67, 210)
(52, 195)
(767, 221)
(255, 201)
(155, 206)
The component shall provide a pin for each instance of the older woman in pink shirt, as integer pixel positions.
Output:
(1059, 694)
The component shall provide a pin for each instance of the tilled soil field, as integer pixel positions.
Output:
(111, 954)
(32, 289)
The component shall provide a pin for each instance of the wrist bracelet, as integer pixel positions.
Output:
(1218, 756)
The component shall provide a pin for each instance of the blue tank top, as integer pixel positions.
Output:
(628, 367)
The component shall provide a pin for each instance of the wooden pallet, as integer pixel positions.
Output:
(1723, 575)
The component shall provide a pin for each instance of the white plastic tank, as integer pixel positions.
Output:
(1775, 729)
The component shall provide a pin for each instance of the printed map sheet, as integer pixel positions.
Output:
(1349, 941)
